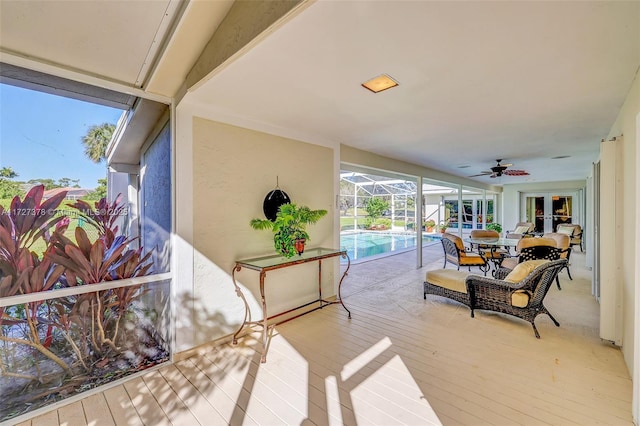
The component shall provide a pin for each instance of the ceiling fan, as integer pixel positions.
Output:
(501, 169)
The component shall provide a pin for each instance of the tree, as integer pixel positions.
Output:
(47, 182)
(8, 173)
(100, 191)
(376, 206)
(68, 183)
(96, 140)
(9, 188)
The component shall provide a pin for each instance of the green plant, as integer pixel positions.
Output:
(289, 225)
(443, 226)
(429, 223)
(376, 206)
(494, 227)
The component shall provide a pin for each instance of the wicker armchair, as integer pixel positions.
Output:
(523, 299)
(543, 252)
(455, 252)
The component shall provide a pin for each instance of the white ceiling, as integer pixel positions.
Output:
(521, 81)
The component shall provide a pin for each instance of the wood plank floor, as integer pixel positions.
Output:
(399, 360)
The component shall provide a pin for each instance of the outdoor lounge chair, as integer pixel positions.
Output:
(573, 231)
(456, 253)
(520, 293)
(447, 283)
(521, 229)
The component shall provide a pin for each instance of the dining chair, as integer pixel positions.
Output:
(563, 242)
(488, 251)
(511, 262)
(456, 253)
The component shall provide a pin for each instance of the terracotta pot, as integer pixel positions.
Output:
(299, 244)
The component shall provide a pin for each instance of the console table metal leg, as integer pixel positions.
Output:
(247, 314)
(265, 325)
(345, 255)
(320, 281)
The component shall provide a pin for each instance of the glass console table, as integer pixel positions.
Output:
(270, 263)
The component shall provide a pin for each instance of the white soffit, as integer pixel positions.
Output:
(115, 40)
(195, 28)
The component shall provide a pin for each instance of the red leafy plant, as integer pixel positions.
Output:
(99, 314)
(22, 271)
(91, 323)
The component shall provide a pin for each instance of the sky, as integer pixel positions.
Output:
(41, 135)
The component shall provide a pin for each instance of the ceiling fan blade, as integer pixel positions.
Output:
(481, 174)
(514, 172)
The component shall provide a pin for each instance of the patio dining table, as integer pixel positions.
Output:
(492, 244)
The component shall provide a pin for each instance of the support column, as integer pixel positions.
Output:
(418, 215)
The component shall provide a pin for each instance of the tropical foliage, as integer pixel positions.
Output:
(96, 140)
(77, 332)
(494, 226)
(289, 225)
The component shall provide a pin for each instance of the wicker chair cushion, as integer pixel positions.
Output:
(565, 230)
(484, 233)
(523, 269)
(448, 278)
(521, 229)
(520, 298)
(471, 259)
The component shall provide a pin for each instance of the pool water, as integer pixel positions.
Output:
(361, 245)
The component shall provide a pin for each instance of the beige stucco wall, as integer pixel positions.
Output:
(626, 125)
(232, 170)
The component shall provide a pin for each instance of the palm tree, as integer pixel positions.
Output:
(96, 140)
(8, 173)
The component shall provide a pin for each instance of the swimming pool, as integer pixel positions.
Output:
(367, 245)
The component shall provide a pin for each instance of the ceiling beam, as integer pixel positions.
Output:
(246, 23)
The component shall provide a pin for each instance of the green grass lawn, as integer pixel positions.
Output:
(40, 246)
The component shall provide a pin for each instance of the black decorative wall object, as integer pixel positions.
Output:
(273, 201)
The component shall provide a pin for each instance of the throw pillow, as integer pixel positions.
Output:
(523, 269)
(520, 229)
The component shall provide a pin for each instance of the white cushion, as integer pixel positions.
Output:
(520, 229)
(522, 270)
(565, 230)
(448, 278)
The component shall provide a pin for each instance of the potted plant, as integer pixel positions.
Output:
(495, 227)
(429, 225)
(290, 227)
(443, 227)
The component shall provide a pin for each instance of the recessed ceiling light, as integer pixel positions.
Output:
(560, 157)
(380, 83)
